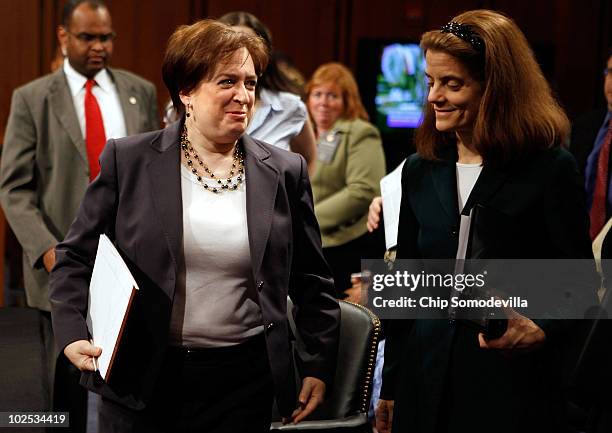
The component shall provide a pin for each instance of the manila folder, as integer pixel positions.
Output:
(111, 292)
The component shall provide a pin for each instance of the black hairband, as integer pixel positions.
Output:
(464, 32)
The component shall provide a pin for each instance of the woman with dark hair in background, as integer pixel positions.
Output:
(350, 164)
(491, 137)
(218, 229)
(280, 116)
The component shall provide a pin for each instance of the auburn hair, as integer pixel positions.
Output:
(273, 78)
(518, 113)
(194, 52)
(341, 76)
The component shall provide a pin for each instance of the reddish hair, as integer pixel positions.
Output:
(340, 75)
(518, 113)
(195, 50)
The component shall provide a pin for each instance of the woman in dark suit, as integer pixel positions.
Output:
(218, 229)
(491, 137)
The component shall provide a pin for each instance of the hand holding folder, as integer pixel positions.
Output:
(83, 354)
(111, 292)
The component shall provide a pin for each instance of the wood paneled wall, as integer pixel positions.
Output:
(570, 36)
(574, 34)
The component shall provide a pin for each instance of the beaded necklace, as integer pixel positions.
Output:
(194, 160)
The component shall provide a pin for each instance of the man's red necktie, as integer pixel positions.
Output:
(598, 208)
(94, 130)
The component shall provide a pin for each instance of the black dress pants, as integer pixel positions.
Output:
(216, 390)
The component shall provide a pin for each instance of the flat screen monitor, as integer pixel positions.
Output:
(392, 80)
(400, 86)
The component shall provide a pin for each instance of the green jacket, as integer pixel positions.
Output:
(344, 188)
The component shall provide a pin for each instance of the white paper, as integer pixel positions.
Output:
(464, 238)
(391, 192)
(109, 296)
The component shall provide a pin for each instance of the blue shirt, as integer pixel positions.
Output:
(279, 117)
(590, 171)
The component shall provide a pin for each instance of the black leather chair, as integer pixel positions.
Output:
(345, 409)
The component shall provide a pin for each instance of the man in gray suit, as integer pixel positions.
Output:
(48, 158)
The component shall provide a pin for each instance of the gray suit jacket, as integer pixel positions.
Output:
(136, 201)
(44, 169)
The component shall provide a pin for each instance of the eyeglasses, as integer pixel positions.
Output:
(88, 38)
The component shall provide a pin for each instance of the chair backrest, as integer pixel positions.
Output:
(359, 333)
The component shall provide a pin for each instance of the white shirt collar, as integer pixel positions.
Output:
(76, 81)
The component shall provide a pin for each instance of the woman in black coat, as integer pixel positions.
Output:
(491, 138)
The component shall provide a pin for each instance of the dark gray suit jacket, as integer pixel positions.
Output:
(137, 202)
(44, 169)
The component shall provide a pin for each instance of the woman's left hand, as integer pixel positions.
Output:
(522, 334)
(311, 396)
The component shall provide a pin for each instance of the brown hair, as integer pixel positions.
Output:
(273, 78)
(195, 50)
(518, 113)
(339, 74)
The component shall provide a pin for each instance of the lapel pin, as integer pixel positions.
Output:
(132, 100)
